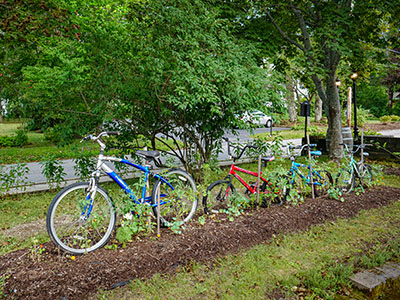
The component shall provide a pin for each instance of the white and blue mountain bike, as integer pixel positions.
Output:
(81, 218)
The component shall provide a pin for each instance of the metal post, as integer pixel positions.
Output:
(355, 110)
(258, 179)
(158, 211)
(309, 163)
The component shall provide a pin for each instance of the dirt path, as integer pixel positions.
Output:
(56, 276)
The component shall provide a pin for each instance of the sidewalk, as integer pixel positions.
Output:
(39, 182)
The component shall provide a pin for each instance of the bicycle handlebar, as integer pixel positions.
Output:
(347, 147)
(242, 150)
(97, 138)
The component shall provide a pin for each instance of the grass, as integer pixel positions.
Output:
(38, 147)
(334, 251)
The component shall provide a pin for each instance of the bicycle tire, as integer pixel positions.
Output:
(366, 177)
(67, 227)
(217, 196)
(298, 184)
(345, 181)
(275, 195)
(323, 183)
(177, 204)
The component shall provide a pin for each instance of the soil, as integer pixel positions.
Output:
(392, 171)
(382, 126)
(54, 275)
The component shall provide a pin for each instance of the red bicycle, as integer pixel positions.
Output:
(222, 192)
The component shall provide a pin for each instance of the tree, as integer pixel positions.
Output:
(326, 33)
(160, 71)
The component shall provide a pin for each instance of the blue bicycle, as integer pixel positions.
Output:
(321, 180)
(82, 217)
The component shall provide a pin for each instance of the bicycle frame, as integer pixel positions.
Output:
(294, 169)
(232, 172)
(124, 186)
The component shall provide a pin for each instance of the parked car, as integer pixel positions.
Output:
(257, 117)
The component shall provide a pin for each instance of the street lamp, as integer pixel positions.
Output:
(354, 77)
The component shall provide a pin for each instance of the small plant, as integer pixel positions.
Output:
(202, 220)
(395, 118)
(36, 250)
(53, 171)
(176, 226)
(14, 176)
(3, 279)
(335, 193)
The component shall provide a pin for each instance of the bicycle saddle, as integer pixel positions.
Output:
(317, 153)
(266, 159)
(148, 154)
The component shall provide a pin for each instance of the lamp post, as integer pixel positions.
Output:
(354, 78)
(338, 83)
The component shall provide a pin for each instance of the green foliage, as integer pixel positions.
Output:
(14, 176)
(395, 118)
(373, 98)
(84, 165)
(388, 119)
(19, 140)
(53, 170)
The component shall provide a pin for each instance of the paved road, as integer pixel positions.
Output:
(39, 181)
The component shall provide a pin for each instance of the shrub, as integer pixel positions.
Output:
(385, 119)
(14, 141)
(395, 118)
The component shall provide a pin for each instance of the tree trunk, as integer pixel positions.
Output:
(334, 118)
(291, 100)
(318, 108)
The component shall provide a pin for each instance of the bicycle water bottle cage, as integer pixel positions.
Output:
(148, 155)
(316, 153)
(267, 159)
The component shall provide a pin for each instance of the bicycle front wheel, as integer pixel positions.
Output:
(178, 197)
(219, 194)
(345, 181)
(79, 222)
(322, 180)
(366, 176)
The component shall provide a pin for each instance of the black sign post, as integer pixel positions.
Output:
(305, 111)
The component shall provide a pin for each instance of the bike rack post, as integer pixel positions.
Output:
(158, 212)
(258, 179)
(362, 152)
(309, 162)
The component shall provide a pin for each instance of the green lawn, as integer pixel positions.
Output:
(38, 147)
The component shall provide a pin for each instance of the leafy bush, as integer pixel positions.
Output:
(18, 140)
(385, 119)
(395, 118)
(373, 98)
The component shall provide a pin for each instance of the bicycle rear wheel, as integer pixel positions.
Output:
(366, 176)
(322, 182)
(79, 223)
(345, 181)
(178, 197)
(275, 194)
(219, 194)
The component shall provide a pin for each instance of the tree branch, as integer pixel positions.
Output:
(283, 34)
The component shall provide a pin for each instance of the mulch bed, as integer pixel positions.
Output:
(382, 126)
(57, 276)
(391, 171)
